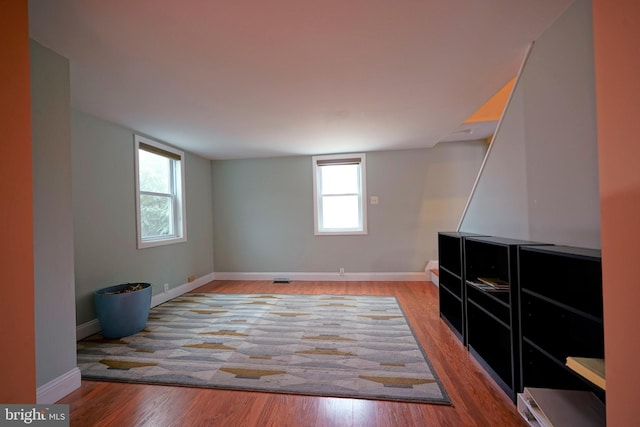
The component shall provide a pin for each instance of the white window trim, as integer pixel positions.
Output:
(362, 200)
(181, 211)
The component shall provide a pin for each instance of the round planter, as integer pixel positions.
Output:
(122, 313)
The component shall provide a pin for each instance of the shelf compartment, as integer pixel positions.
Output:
(485, 259)
(451, 261)
(542, 370)
(560, 332)
(562, 306)
(451, 311)
(492, 341)
(571, 276)
(492, 303)
(450, 252)
(450, 281)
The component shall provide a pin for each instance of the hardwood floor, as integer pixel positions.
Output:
(477, 400)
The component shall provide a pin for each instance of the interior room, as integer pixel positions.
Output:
(506, 119)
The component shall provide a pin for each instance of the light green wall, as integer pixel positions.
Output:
(540, 181)
(52, 215)
(263, 212)
(105, 219)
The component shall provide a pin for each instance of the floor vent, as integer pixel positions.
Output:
(281, 280)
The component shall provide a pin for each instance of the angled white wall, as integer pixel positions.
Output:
(540, 180)
(52, 226)
(499, 204)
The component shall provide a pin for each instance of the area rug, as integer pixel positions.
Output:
(324, 345)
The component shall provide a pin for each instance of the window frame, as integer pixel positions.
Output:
(177, 180)
(337, 159)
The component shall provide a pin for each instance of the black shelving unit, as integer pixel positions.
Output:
(492, 327)
(451, 281)
(561, 314)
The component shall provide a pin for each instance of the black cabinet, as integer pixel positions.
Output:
(451, 281)
(492, 322)
(561, 314)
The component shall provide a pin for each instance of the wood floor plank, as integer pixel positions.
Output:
(477, 399)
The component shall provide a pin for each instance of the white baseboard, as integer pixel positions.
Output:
(432, 265)
(182, 289)
(87, 329)
(435, 279)
(93, 326)
(336, 277)
(59, 387)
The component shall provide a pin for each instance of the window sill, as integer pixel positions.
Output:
(160, 242)
(340, 233)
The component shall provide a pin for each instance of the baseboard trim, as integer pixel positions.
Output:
(435, 279)
(182, 289)
(93, 326)
(59, 387)
(87, 329)
(432, 265)
(335, 277)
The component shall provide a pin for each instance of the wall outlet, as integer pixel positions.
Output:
(341, 271)
(166, 287)
(191, 278)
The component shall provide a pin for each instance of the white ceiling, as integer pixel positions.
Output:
(240, 78)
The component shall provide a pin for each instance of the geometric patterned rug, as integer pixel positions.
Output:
(325, 345)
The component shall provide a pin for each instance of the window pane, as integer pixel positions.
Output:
(339, 179)
(340, 212)
(155, 172)
(155, 216)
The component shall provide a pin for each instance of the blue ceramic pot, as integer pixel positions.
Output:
(122, 314)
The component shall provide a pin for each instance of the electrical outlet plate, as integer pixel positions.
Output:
(341, 271)
(166, 287)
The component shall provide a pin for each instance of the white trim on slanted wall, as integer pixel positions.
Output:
(488, 153)
(334, 277)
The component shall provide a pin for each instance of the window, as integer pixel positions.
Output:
(159, 194)
(339, 194)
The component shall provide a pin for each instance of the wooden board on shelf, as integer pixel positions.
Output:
(590, 368)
